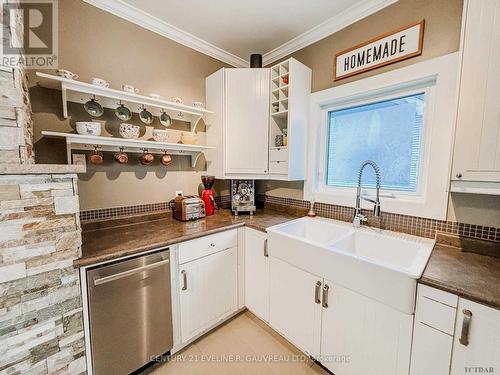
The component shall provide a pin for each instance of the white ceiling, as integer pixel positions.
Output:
(244, 27)
(231, 30)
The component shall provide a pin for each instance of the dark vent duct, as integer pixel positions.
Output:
(256, 60)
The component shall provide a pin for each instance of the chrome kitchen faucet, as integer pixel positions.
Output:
(358, 216)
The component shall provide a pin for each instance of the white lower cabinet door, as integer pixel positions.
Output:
(362, 336)
(257, 273)
(294, 309)
(476, 347)
(209, 291)
(431, 351)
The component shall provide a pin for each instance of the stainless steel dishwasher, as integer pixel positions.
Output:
(130, 312)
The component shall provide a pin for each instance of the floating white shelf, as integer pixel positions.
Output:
(81, 92)
(89, 142)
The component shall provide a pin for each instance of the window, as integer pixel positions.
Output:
(388, 132)
(403, 120)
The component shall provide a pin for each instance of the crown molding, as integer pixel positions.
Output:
(139, 17)
(345, 18)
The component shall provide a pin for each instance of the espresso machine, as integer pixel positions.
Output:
(243, 196)
(208, 195)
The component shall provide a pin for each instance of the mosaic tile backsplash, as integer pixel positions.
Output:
(417, 226)
(116, 212)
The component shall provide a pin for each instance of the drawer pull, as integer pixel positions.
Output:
(317, 288)
(325, 296)
(266, 250)
(464, 337)
(184, 280)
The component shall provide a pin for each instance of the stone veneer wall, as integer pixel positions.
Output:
(41, 329)
(16, 126)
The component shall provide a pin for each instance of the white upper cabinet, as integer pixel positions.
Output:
(289, 106)
(477, 142)
(477, 339)
(259, 124)
(247, 117)
(239, 129)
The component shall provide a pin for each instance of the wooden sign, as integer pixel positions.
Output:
(385, 49)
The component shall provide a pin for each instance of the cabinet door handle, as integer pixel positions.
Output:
(317, 291)
(464, 337)
(266, 250)
(184, 280)
(325, 296)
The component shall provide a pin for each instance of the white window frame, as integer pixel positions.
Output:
(438, 79)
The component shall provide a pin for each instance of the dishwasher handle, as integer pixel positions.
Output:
(120, 275)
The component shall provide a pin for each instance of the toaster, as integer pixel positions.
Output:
(185, 208)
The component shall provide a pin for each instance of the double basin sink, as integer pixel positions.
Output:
(378, 264)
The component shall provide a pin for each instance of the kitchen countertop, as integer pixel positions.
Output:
(101, 242)
(473, 276)
(465, 273)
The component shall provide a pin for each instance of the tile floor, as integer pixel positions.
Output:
(244, 345)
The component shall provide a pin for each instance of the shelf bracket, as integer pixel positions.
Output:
(64, 101)
(195, 122)
(194, 158)
(69, 155)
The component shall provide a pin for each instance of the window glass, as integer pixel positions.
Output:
(388, 132)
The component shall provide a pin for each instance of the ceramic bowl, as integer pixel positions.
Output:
(188, 138)
(88, 128)
(129, 131)
(160, 135)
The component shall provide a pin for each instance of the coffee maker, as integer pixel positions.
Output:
(207, 195)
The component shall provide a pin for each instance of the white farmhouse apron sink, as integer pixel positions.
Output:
(378, 264)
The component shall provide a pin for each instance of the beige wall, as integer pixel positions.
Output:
(442, 36)
(94, 43)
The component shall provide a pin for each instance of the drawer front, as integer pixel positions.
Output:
(278, 167)
(436, 308)
(436, 315)
(438, 295)
(203, 246)
(280, 154)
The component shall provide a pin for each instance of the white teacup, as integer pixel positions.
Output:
(130, 88)
(66, 74)
(100, 82)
